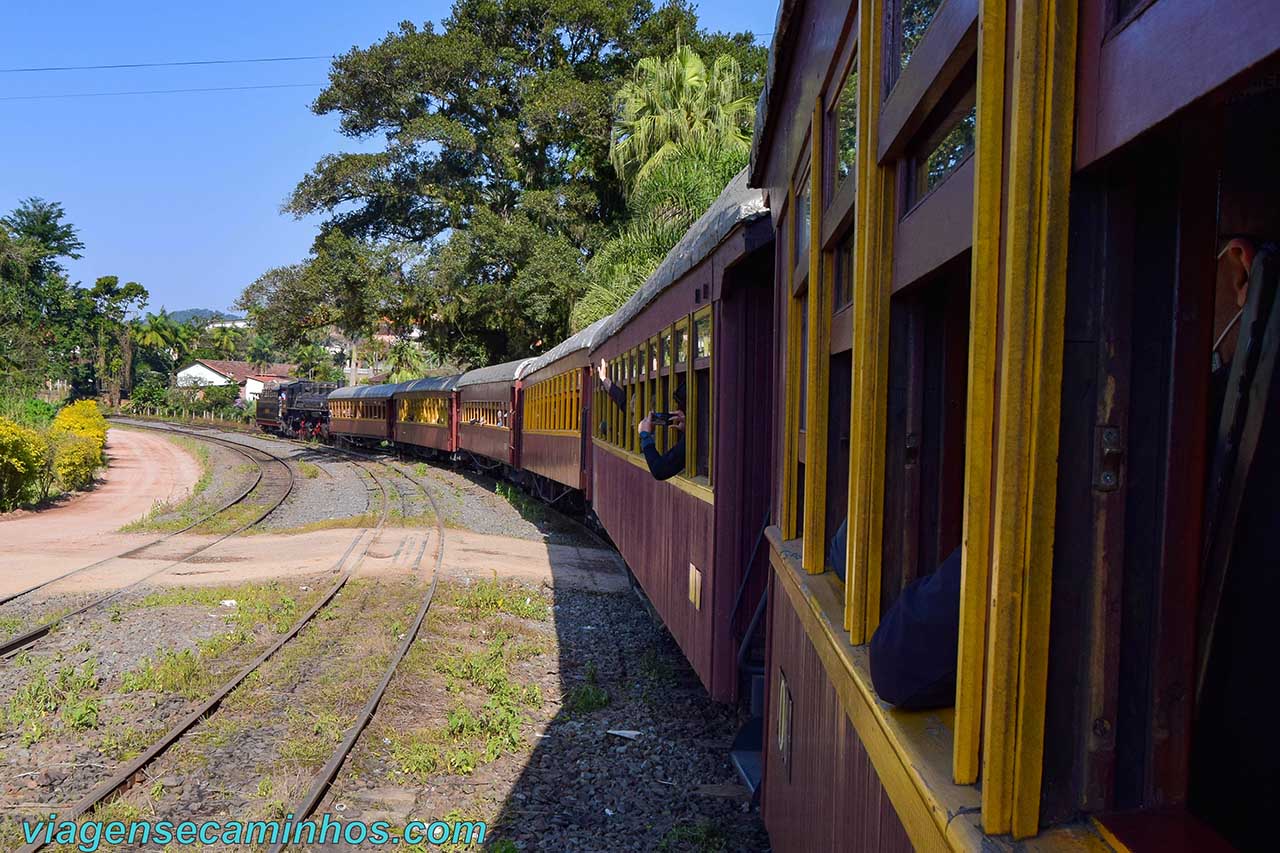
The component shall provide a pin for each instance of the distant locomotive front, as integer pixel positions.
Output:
(299, 408)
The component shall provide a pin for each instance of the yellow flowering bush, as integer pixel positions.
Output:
(22, 454)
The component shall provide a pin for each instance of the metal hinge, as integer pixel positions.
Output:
(1108, 457)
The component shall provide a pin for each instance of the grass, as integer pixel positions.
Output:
(308, 470)
(166, 517)
(701, 837)
(256, 603)
(127, 743)
(487, 598)
(530, 509)
(367, 519)
(312, 737)
(9, 625)
(469, 737)
(588, 696)
(70, 695)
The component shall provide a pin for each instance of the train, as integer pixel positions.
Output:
(999, 281)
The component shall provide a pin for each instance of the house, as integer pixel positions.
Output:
(251, 379)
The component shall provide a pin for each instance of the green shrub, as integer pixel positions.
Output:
(75, 459)
(22, 455)
(26, 411)
(150, 392)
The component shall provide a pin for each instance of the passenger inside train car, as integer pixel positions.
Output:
(662, 465)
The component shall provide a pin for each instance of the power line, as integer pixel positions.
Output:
(159, 91)
(161, 64)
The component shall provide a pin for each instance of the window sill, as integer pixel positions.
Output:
(688, 486)
(910, 750)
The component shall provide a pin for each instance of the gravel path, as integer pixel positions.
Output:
(478, 502)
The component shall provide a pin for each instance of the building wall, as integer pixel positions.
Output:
(198, 374)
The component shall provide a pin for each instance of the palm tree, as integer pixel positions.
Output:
(225, 340)
(157, 332)
(672, 102)
(260, 354)
(406, 360)
(311, 358)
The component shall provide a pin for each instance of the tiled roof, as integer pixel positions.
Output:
(242, 370)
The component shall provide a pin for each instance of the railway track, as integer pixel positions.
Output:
(279, 479)
(139, 549)
(346, 567)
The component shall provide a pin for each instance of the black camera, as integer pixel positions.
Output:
(660, 418)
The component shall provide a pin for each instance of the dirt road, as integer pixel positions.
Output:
(144, 468)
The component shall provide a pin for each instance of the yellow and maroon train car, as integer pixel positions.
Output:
(488, 401)
(426, 414)
(556, 413)
(697, 328)
(1025, 270)
(362, 414)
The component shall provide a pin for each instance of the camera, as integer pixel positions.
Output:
(660, 418)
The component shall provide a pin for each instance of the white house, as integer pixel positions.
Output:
(206, 371)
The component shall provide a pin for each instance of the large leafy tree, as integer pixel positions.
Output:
(497, 127)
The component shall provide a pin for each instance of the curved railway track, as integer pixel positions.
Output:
(346, 567)
(138, 549)
(281, 477)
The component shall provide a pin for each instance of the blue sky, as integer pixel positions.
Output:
(182, 192)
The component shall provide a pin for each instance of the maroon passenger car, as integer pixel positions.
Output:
(488, 422)
(692, 540)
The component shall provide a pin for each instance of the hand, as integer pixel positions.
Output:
(677, 420)
(603, 372)
(646, 424)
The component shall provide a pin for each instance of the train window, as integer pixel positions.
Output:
(947, 153)
(681, 341)
(666, 348)
(914, 17)
(925, 427)
(842, 275)
(702, 335)
(701, 397)
(846, 126)
(802, 221)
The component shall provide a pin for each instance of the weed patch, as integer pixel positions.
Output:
(487, 598)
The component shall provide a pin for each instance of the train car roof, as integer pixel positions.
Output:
(584, 339)
(780, 54)
(736, 204)
(505, 372)
(430, 383)
(364, 392)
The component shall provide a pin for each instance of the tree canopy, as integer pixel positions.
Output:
(498, 126)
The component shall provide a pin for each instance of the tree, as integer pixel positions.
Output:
(260, 354)
(679, 134)
(406, 361)
(113, 302)
(225, 341)
(676, 101)
(496, 165)
(312, 360)
(42, 223)
(345, 282)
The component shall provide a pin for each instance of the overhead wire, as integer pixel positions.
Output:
(173, 64)
(159, 91)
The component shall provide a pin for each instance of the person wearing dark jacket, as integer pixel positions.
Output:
(663, 466)
(913, 652)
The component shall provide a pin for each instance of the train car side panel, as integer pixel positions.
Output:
(823, 790)
(662, 533)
